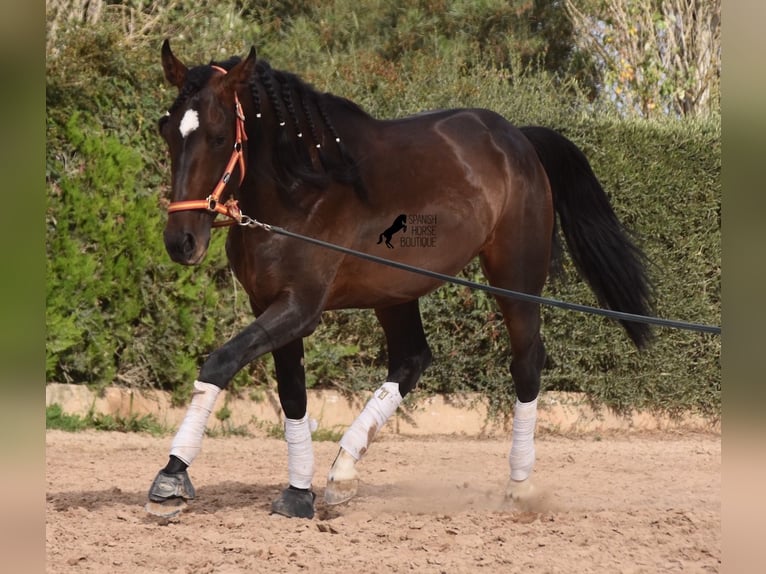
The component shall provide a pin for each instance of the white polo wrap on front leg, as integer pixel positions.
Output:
(377, 411)
(300, 452)
(188, 440)
(522, 456)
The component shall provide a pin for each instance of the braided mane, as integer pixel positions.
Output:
(295, 105)
(304, 126)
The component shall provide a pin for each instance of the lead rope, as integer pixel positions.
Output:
(246, 221)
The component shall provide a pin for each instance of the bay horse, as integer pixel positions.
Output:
(245, 138)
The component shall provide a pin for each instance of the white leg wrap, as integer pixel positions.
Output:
(300, 452)
(188, 440)
(377, 411)
(522, 456)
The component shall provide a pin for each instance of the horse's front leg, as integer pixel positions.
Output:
(297, 500)
(280, 324)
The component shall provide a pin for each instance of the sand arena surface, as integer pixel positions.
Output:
(625, 502)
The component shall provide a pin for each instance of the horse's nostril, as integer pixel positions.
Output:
(189, 245)
(182, 246)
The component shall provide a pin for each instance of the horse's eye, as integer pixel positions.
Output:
(217, 140)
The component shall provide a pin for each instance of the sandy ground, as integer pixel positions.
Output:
(637, 502)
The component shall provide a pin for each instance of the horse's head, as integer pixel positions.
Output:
(204, 130)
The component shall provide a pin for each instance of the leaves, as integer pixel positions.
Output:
(655, 57)
(119, 310)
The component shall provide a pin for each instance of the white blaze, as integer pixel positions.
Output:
(189, 122)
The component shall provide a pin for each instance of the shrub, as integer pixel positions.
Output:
(119, 311)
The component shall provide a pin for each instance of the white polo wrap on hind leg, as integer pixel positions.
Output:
(522, 456)
(377, 411)
(300, 452)
(188, 440)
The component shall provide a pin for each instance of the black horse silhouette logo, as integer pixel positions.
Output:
(400, 223)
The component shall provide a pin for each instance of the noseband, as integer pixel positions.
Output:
(212, 202)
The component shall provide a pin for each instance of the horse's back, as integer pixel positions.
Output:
(459, 177)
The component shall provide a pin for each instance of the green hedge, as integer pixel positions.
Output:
(119, 311)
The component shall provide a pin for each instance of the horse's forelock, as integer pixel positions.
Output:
(198, 77)
(227, 64)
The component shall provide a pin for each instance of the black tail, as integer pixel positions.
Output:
(602, 251)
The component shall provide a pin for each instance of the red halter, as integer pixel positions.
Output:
(212, 202)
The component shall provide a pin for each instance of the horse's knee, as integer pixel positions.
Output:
(294, 408)
(223, 363)
(219, 368)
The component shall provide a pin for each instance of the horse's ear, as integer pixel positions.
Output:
(175, 71)
(242, 72)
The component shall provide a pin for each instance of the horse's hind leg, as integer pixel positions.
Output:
(528, 356)
(524, 271)
(408, 357)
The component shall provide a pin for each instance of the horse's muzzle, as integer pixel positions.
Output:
(184, 247)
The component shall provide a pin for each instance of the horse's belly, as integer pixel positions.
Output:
(367, 295)
(367, 284)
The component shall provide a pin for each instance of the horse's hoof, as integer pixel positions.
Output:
(166, 509)
(519, 490)
(340, 491)
(168, 494)
(294, 503)
(169, 485)
(343, 481)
